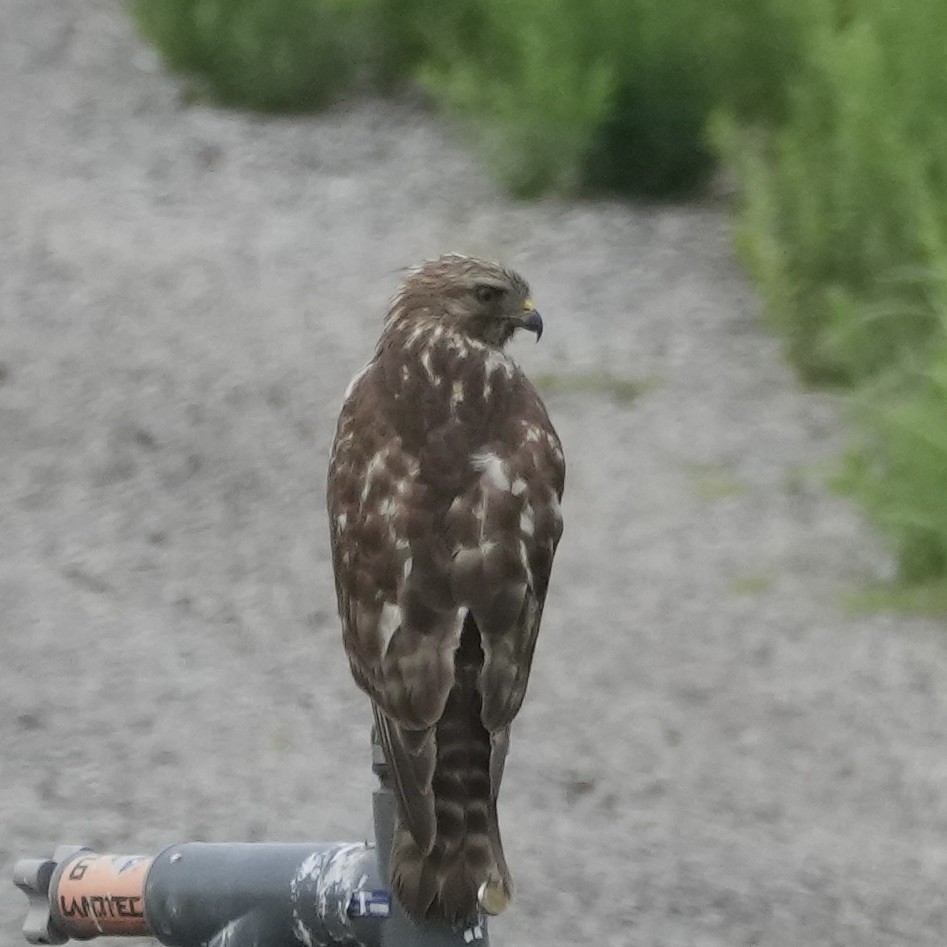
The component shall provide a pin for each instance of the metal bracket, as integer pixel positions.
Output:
(33, 876)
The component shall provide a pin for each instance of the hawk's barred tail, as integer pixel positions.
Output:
(466, 852)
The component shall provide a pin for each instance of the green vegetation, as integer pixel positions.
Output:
(844, 217)
(899, 470)
(273, 55)
(530, 88)
(844, 225)
(562, 97)
(609, 95)
(918, 598)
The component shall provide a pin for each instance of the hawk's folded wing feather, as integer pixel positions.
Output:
(444, 488)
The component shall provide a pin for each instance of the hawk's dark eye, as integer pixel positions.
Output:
(486, 293)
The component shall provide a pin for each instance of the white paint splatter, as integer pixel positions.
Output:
(330, 876)
(224, 936)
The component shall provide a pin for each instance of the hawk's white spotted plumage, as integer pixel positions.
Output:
(444, 486)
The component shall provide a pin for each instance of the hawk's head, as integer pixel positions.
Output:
(483, 300)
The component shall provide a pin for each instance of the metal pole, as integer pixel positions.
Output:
(257, 894)
(399, 930)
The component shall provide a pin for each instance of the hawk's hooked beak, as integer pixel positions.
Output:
(533, 321)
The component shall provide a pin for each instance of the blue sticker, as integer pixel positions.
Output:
(369, 904)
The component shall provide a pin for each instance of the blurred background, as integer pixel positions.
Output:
(735, 224)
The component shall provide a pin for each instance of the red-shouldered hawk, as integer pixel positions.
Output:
(444, 488)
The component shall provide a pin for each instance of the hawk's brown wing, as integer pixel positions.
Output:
(399, 630)
(443, 521)
(505, 531)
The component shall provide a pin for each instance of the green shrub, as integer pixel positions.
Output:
(651, 140)
(899, 470)
(528, 83)
(609, 95)
(275, 55)
(754, 49)
(844, 205)
(844, 225)
(417, 33)
(674, 64)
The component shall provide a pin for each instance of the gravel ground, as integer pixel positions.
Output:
(712, 752)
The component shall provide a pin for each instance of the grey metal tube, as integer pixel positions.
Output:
(260, 894)
(257, 894)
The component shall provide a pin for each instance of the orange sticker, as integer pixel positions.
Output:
(102, 894)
